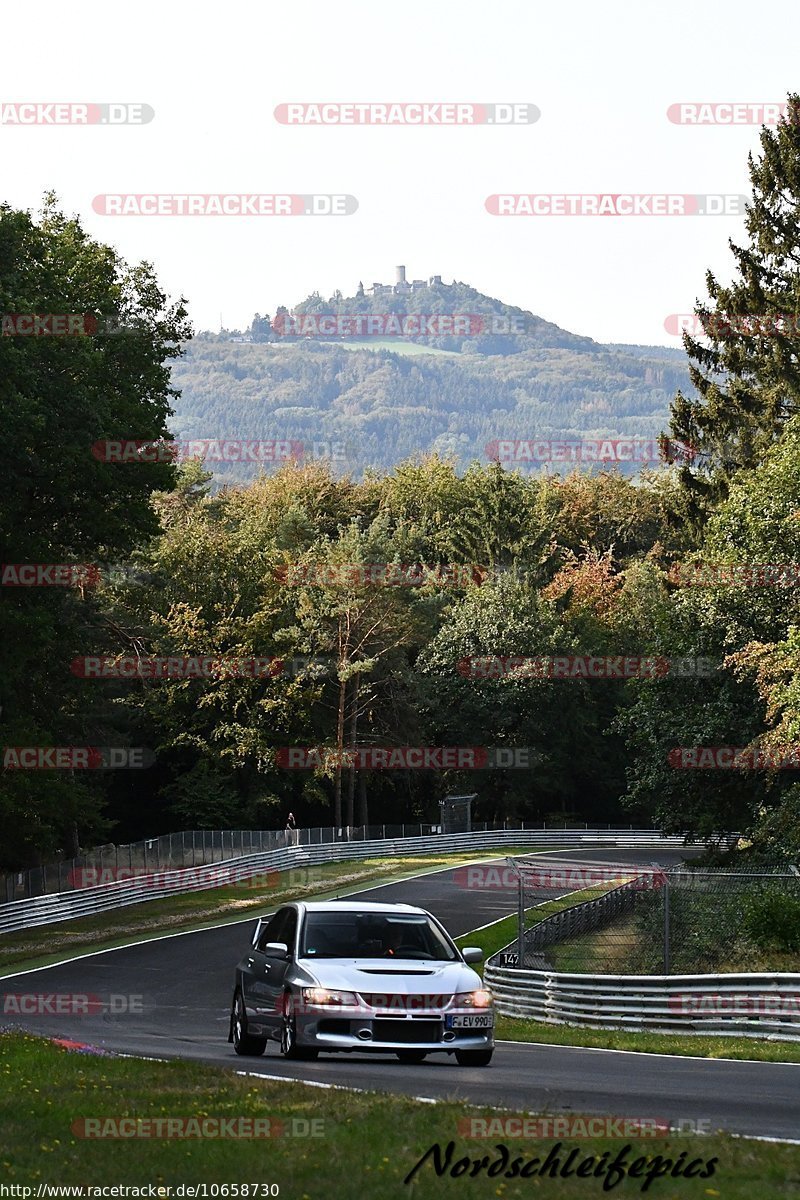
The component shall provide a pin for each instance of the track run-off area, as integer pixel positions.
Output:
(172, 995)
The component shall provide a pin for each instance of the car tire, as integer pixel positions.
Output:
(474, 1058)
(289, 1047)
(243, 1043)
(411, 1056)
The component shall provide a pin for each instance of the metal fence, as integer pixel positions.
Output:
(97, 897)
(195, 847)
(659, 919)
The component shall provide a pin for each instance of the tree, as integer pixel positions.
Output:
(747, 371)
(743, 619)
(363, 623)
(59, 398)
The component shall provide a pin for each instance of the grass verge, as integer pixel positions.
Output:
(365, 1144)
(518, 1029)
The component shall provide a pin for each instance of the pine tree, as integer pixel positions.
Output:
(746, 370)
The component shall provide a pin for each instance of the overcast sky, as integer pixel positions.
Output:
(602, 75)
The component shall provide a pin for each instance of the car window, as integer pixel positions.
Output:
(288, 931)
(284, 921)
(373, 935)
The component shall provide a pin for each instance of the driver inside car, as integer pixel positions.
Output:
(395, 937)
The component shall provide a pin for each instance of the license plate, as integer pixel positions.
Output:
(470, 1021)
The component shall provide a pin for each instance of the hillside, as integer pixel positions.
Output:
(373, 401)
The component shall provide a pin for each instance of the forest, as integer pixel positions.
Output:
(586, 645)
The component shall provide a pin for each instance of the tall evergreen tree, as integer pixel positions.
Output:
(746, 369)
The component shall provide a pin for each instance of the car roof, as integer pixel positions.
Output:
(354, 906)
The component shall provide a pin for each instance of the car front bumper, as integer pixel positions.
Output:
(374, 1032)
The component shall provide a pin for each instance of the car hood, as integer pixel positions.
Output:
(418, 978)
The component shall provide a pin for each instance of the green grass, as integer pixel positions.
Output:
(608, 950)
(519, 1029)
(46, 944)
(368, 1143)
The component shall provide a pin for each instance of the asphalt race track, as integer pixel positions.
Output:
(186, 981)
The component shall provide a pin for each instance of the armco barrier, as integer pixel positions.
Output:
(66, 906)
(759, 1005)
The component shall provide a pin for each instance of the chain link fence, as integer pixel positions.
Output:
(620, 919)
(198, 847)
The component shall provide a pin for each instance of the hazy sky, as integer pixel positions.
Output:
(603, 76)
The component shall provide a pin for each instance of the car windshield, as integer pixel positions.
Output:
(374, 935)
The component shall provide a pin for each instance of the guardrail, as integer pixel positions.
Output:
(67, 906)
(759, 1005)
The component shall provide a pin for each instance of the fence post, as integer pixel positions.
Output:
(666, 927)
(521, 922)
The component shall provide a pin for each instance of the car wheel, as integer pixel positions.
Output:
(289, 1046)
(474, 1058)
(243, 1043)
(410, 1056)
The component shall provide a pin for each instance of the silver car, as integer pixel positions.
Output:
(340, 976)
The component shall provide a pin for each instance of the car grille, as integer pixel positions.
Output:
(406, 1031)
(405, 1003)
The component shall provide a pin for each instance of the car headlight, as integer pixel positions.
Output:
(477, 999)
(322, 998)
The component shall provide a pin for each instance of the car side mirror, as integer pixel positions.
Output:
(276, 950)
(472, 954)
